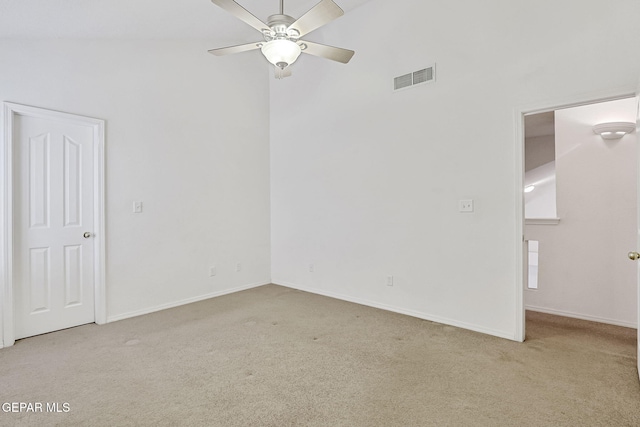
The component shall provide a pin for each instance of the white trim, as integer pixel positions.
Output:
(6, 209)
(637, 94)
(576, 101)
(582, 316)
(6, 221)
(520, 242)
(99, 221)
(519, 113)
(542, 221)
(394, 309)
(184, 302)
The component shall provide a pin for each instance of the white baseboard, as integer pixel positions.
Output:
(412, 313)
(582, 316)
(183, 302)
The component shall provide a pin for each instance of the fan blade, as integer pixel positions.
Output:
(280, 73)
(241, 13)
(333, 53)
(319, 15)
(235, 49)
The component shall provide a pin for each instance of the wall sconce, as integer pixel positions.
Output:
(614, 130)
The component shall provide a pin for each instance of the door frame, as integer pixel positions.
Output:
(637, 96)
(11, 110)
(520, 243)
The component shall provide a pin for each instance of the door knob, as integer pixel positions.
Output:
(633, 255)
(87, 234)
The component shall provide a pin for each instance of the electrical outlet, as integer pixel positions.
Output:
(465, 205)
(212, 271)
(311, 268)
(238, 267)
(389, 280)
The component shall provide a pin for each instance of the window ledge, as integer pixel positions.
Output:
(542, 221)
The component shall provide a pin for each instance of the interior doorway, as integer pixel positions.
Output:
(582, 267)
(53, 221)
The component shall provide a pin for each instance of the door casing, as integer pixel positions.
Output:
(638, 216)
(11, 110)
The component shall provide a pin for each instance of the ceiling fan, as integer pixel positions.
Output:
(282, 44)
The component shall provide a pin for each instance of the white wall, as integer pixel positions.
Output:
(187, 134)
(366, 183)
(538, 151)
(583, 268)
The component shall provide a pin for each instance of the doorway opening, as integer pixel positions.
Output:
(581, 211)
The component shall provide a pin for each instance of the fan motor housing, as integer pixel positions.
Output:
(279, 25)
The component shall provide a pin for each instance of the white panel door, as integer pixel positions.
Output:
(53, 225)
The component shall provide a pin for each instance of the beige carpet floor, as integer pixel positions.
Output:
(273, 356)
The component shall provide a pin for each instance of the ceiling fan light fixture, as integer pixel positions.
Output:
(281, 52)
(281, 34)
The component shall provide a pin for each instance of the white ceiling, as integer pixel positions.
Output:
(139, 19)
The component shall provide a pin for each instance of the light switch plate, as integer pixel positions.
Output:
(137, 207)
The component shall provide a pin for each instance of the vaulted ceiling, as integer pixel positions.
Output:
(144, 19)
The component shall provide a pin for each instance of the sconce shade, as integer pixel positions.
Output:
(614, 130)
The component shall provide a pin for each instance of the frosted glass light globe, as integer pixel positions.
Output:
(281, 53)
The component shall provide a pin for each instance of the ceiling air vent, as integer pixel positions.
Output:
(426, 75)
